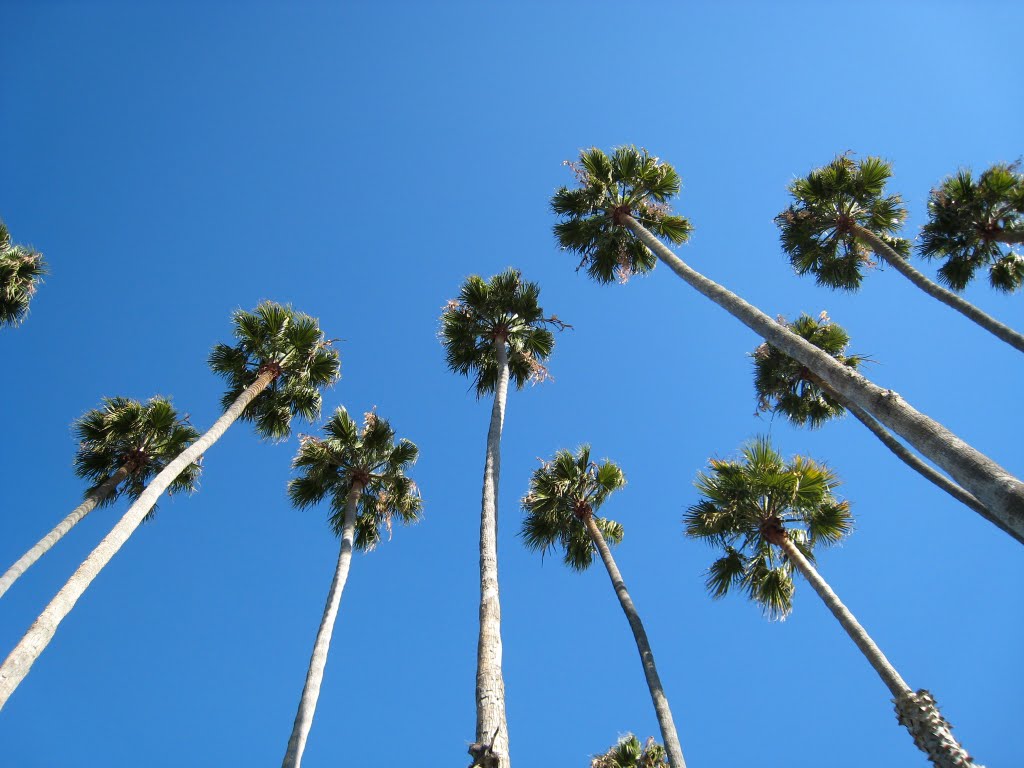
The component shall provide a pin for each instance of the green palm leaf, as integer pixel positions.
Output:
(21, 271)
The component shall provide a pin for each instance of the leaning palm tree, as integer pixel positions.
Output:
(768, 515)
(971, 223)
(840, 215)
(122, 445)
(364, 475)
(564, 494)
(274, 372)
(494, 331)
(628, 753)
(21, 269)
(599, 225)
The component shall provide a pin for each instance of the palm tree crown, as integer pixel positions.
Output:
(20, 271)
(818, 229)
(970, 224)
(749, 505)
(275, 338)
(503, 309)
(630, 182)
(629, 753)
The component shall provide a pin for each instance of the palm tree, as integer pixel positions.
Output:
(595, 220)
(768, 515)
(363, 473)
(122, 445)
(494, 331)
(564, 494)
(840, 215)
(21, 269)
(274, 372)
(970, 222)
(628, 753)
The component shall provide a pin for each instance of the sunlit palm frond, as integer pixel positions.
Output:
(21, 272)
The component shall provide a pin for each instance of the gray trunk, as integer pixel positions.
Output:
(29, 648)
(661, 708)
(318, 662)
(46, 543)
(999, 491)
(919, 713)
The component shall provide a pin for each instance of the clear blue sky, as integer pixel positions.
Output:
(177, 161)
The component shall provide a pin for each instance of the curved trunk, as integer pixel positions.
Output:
(318, 661)
(77, 515)
(661, 708)
(29, 648)
(1000, 492)
(936, 291)
(491, 747)
(916, 711)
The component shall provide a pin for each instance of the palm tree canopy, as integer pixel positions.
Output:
(631, 182)
(815, 229)
(785, 386)
(748, 504)
(143, 438)
(563, 493)
(370, 459)
(21, 269)
(274, 337)
(628, 753)
(505, 309)
(970, 223)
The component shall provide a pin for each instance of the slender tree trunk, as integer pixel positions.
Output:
(77, 515)
(317, 663)
(1000, 492)
(661, 708)
(491, 747)
(1010, 237)
(916, 711)
(936, 291)
(25, 653)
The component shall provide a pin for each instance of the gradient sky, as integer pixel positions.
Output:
(175, 162)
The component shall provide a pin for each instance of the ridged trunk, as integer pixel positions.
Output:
(17, 665)
(318, 661)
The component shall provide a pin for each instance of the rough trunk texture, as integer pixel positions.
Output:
(643, 645)
(24, 655)
(1000, 492)
(318, 661)
(46, 543)
(932, 733)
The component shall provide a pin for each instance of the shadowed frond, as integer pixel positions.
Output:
(628, 753)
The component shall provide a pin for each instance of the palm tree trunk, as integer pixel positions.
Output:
(1000, 492)
(77, 515)
(16, 666)
(950, 299)
(317, 663)
(1010, 237)
(491, 746)
(661, 708)
(916, 711)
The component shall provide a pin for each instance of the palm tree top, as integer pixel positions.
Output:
(368, 460)
(629, 182)
(276, 338)
(748, 505)
(973, 222)
(564, 493)
(629, 753)
(817, 230)
(21, 270)
(505, 310)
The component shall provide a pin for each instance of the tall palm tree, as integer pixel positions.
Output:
(364, 475)
(274, 372)
(840, 215)
(494, 331)
(122, 445)
(598, 223)
(564, 494)
(971, 221)
(21, 269)
(629, 753)
(768, 515)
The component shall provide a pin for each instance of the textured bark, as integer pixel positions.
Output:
(318, 661)
(77, 515)
(999, 491)
(491, 723)
(919, 713)
(29, 648)
(643, 645)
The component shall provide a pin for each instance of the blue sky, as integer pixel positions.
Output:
(176, 162)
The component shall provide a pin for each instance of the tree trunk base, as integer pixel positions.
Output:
(919, 713)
